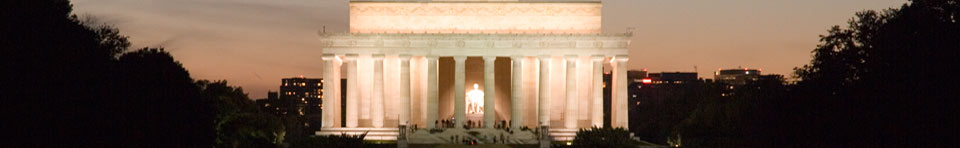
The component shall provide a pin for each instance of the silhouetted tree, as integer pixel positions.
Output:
(604, 138)
(884, 80)
(342, 140)
(58, 75)
(71, 84)
(237, 120)
(160, 101)
(663, 107)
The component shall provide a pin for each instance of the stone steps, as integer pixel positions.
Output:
(372, 133)
(562, 134)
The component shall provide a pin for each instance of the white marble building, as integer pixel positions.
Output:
(539, 63)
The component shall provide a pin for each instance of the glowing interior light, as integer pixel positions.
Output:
(646, 80)
(475, 100)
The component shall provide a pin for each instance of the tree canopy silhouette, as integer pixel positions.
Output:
(886, 79)
(70, 83)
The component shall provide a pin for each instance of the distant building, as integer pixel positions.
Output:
(636, 74)
(737, 76)
(302, 97)
(299, 103)
(672, 77)
(271, 104)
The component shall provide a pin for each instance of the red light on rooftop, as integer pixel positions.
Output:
(646, 81)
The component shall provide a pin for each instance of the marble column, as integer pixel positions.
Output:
(620, 82)
(423, 90)
(376, 99)
(338, 92)
(404, 90)
(516, 93)
(328, 95)
(570, 113)
(353, 101)
(432, 91)
(459, 104)
(489, 91)
(544, 96)
(596, 88)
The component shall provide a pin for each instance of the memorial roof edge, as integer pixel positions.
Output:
(482, 1)
(322, 35)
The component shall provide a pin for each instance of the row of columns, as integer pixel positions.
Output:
(331, 94)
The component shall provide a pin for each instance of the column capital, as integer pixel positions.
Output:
(404, 57)
(328, 56)
(432, 57)
(377, 56)
(571, 57)
(621, 58)
(460, 58)
(545, 57)
(516, 57)
(597, 58)
(350, 57)
(489, 58)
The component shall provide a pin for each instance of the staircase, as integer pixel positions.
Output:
(372, 133)
(563, 134)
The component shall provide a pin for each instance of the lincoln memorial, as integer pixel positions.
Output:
(494, 71)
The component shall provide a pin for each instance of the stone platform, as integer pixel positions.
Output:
(372, 133)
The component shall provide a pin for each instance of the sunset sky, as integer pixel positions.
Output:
(255, 43)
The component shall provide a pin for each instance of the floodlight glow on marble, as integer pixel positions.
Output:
(491, 17)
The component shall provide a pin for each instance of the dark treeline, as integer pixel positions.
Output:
(886, 79)
(70, 82)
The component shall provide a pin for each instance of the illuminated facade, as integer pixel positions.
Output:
(539, 64)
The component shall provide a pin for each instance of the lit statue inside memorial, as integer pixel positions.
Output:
(475, 100)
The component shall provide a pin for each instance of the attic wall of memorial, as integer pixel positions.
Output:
(472, 17)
